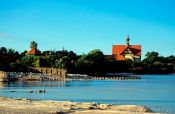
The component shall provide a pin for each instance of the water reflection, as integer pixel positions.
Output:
(36, 84)
(85, 83)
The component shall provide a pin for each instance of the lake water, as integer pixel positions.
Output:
(157, 92)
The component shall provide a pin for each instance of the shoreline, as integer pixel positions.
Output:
(14, 76)
(27, 106)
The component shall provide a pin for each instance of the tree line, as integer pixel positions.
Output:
(94, 62)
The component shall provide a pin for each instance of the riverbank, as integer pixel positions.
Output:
(26, 106)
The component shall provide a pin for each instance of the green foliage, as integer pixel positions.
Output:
(23, 53)
(153, 63)
(33, 44)
(27, 60)
(36, 61)
(94, 62)
(81, 64)
(7, 56)
(31, 61)
(171, 59)
(151, 56)
(3, 51)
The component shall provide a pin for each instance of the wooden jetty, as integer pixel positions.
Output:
(131, 77)
(104, 77)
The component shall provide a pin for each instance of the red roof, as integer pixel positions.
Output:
(33, 51)
(119, 49)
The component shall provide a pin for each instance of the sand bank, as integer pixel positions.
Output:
(25, 106)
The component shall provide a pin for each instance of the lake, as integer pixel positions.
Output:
(157, 92)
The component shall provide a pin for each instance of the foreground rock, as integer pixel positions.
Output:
(25, 106)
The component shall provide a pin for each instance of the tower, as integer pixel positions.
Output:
(127, 41)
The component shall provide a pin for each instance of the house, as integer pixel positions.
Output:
(126, 52)
(33, 51)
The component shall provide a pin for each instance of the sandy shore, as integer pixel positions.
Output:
(25, 106)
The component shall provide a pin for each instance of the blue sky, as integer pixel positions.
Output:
(84, 25)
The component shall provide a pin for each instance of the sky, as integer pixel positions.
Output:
(84, 25)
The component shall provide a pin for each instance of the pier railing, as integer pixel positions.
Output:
(102, 77)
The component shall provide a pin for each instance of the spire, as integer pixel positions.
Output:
(127, 40)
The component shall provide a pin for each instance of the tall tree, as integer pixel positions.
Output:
(92, 62)
(33, 44)
(151, 56)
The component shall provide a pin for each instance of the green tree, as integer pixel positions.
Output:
(171, 59)
(93, 62)
(36, 61)
(33, 44)
(96, 60)
(82, 64)
(23, 53)
(3, 51)
(46, 53)
(151, 56)
(161, 59)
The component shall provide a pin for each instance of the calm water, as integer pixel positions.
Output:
(154, 91)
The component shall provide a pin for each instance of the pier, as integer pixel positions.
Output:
(104, 77)
(114, 77)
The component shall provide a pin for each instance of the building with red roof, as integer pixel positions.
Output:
(124, 52)
(33, 51)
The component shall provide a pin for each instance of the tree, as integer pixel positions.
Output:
(11, 52)
(23, 53)
(62, 63)
(72, 55)
(161, 59)
(3, 51)
(46, 53)
(36, 62)
(33, 44)
(93, 62)
(62, 53)
(96, 59)
(81, 64)
(151, 56)
(171, 59)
